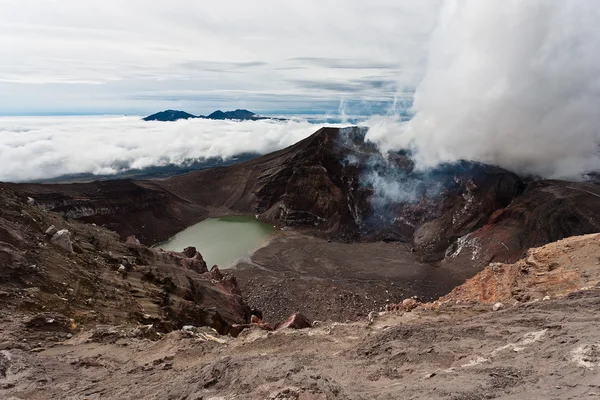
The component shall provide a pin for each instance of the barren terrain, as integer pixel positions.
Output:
(543, 350)
(542, 342)
(90, 312)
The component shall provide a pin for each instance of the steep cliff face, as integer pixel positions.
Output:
(140, 208)
(545, 212)
(339, 186)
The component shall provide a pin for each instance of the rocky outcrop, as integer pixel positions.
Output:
(62, 238)
(554, 270)
(188, 258)
(295, 321)
(547, 211)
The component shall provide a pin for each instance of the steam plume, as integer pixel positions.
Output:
(509, 82)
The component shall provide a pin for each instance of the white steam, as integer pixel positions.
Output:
(45, 147)
(509, 82)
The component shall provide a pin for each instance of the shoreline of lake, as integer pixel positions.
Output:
(223, 241)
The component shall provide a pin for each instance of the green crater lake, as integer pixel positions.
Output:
(222, 241)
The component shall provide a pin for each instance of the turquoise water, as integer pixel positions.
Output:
(222, 241)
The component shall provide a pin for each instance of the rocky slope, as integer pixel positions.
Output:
(556, 269)
(89, 315)
(128, 207)
(459, 349)
(64, 270)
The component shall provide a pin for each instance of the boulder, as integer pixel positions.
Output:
(51, 230)
(189, 252)
(215, 274)
(409, 304)
(48, 322)
(295, 321)
(372, 315)
(497, 306)
(255, 322)
(132, 240)
(62, 238)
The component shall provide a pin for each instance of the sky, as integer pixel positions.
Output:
(270, 56)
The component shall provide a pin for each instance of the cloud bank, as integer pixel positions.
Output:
(34, 148)
(512, 83)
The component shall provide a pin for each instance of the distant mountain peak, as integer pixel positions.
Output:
(169, 115)
(238, 114)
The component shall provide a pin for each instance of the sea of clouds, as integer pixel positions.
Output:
(35, 148)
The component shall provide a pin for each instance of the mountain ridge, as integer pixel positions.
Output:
(238, 114)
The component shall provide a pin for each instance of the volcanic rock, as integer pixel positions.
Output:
(190, 252)
(295, 321)
(132, 240)
(409, 304)
(62, 238)
(255, 322)
(555, 269)
(49, 322)
(169, 290)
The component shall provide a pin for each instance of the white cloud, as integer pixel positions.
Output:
(512, 83)
(44, 147)
(97, 55)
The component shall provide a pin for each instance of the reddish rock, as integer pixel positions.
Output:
(132, 240)
(255, 322)
(409, 304)
(195, 262)
(190, 252)
(295, 321)
(215, 273)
